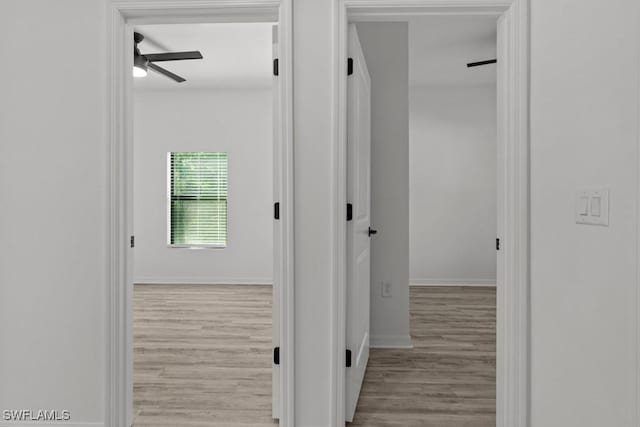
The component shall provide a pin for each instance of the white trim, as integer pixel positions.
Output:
(286, 237)
(195, 280)
(117, 394)
(513, 334)
(637, 258)
(198, 11)
(452, 282)
(513, 292)
(339, 226)
(391, 341)
(121, 15)
(402, 10)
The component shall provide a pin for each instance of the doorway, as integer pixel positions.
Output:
(124, 19)
(433, 139)
(203, 199)
(512, 187)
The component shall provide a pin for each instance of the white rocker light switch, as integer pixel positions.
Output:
(592, 206)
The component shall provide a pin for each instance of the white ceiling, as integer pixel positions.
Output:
(235, 55)
(240, 55)
(441, 46)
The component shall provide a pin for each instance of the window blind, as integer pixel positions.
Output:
(198, 199)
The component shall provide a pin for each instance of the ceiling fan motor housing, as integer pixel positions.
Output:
(139, 61)
(137, 37)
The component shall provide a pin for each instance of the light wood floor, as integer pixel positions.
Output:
(203, 358)
(448, 378)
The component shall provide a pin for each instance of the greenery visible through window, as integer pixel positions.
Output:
(198, 199)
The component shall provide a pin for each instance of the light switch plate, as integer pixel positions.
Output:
(596, 211)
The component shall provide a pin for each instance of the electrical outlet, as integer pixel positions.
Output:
(386, 289)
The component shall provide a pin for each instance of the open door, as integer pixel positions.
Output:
(359, 226)
(277, 249)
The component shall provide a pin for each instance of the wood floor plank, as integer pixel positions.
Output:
(202, 357)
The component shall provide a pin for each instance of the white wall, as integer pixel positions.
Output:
(53, 193)
(452, 134)
(238, 122)
(313, 135)
(386, 50)
(584, 129)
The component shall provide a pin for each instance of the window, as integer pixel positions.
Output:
(197, 199)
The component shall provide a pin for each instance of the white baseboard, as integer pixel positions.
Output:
(203, 281)
(452, 282)
(390, 341)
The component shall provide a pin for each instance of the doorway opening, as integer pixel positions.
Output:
(203, 261)
(448, 206)
(453, 183)
(203, 173)
(433, 185)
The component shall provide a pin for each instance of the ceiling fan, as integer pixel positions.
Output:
(480, 63)
(142, 62)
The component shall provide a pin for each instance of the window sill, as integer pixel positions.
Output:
(197, 246)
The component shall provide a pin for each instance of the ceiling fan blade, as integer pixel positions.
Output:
(173, 56)
(477, 64)
(159, 69)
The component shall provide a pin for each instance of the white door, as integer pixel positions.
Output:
(358, 228)
(275, 377)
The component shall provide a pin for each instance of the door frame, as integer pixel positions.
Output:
(121, 15)
(513, 292)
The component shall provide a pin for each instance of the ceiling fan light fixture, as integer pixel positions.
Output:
(139, 66)
(139, 72)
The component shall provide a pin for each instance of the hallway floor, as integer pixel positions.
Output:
(202, 357)
(449, 378)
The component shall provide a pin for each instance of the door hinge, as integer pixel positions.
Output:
(276, 210)
(349, 211)
(276, 67)
(348, 358)
(276, 356)
(497, 244)
(132, 241)
(349, 66)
